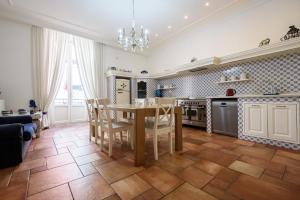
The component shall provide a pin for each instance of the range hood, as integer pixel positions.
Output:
(198, 65)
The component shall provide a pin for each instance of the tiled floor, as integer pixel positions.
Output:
(63, 164)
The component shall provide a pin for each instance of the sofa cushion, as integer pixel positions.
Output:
(22, 119)
(28, 130)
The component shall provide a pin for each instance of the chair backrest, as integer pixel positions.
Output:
(104, 114)
(139, 102)
(90, 104)
(151, 101)
(164, 111)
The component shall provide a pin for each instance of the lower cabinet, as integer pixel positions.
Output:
(277, 121)
(255, 120)
(282, 122)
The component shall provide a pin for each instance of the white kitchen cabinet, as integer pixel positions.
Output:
(256, 120)
(282, 122)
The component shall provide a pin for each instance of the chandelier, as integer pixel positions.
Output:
(133, 40)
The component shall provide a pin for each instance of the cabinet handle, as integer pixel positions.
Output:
(281, 106)
(255, 105)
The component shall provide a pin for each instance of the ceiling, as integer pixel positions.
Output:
(103, 18)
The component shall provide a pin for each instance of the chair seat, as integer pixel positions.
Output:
(118, 126)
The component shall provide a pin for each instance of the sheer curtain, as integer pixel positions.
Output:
(89, 58)
(48, 55)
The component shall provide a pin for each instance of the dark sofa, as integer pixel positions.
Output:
(15, 137)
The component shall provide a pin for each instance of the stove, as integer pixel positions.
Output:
(193, 111)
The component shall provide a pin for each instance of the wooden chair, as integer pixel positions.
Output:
(159, 126)
(109, 126)
(93, 119)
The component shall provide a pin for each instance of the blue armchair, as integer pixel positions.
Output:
(15, 137)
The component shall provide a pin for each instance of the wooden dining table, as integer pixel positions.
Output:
(140, 112)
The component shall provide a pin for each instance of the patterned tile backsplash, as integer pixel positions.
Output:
(283, 71)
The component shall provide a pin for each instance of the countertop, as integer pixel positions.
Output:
(254, 95)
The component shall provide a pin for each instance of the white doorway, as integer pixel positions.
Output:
(69, 104)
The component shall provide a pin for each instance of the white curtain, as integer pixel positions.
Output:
(89, 58)
(101, 81)
(48, 55)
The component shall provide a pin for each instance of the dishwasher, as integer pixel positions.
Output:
(225, 117)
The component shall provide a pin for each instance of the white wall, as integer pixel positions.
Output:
(114, 57)
(15, 64)
(226, 34)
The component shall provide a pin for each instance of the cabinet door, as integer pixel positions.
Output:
(282, 122)
(255, 120)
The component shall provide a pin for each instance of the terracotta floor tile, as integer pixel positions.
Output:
(88, 169)
(218, 157)
(160, 179)
(275, 169)
(41, 153)
(282, 183)
(91, 187)
(50, 178)
(295, 156)
(286, 161)
(292, 175)
(208, 166)
(263, 153)
(38, 169)
(21, 177)
(61, 192)
(31, 164)
(173, 163)
(228, 175)
(116, 170)
(130, 187)
(212, 145)
(191, 155)
(219, 183)
(59, 160)
(247, 187)
(193, 147)
(15, 192)
(218, 193)
(63, 150)
(195, 177)
(5, 175)
(246, 168)
(187, 191)
(243, 142)
(81, 151)
(88, 158)
(152, 194)
(113, 197)
(44, 145)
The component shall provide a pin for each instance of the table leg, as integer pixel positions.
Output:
(178, 130)
(139, 137)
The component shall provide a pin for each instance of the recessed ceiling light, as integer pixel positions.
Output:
(156, 35)
(207, 4)
(169, 27)
(186, 17)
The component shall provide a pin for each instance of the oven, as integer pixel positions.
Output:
(193, 112)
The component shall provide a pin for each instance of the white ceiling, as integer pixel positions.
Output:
(104, 17)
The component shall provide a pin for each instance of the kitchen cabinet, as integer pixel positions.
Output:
(282, 122)
(255, 120)
(276, 121)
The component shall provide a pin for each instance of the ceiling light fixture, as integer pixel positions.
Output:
(133, 41)
(169, 27)
(186, 17)
(207, 4)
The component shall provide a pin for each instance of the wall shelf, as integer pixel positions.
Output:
(235, 81)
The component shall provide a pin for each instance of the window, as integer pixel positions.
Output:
(70, 92)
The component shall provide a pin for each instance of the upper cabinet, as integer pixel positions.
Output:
(277, 121)
(215, 62)
(282, 122)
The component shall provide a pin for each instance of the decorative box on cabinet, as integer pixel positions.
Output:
(256, 120)
(282, 122)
